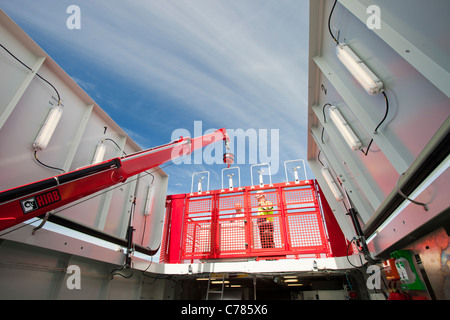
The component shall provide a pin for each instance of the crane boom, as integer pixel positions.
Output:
(32, 200)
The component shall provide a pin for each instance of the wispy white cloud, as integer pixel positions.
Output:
(142, 140)
(233, 64)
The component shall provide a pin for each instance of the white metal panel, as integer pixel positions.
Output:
(409, 216)
(25, 101)
(284, 265)
(29, 272)
(409, 122)
(409, 54)
(423, 44)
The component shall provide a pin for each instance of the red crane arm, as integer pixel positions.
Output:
(31, 200)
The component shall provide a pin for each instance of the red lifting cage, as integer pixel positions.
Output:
(225, 224)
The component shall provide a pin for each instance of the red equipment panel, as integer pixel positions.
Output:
(232, 237)
(197, 227)
(224, 224)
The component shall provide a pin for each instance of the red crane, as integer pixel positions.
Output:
(32, 200)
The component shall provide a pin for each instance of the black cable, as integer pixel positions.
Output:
(329, 19)
(321, 135)
(124, 153)
(89, 198)
(84, 200)
(385, 97)
(129, 236)
(368, 147)
(385, 114)
(376, 129)
(118, 147)
(57, 93)
(42, 78)
(143, 271)
(424, 205)
(348, 248)
(318, 158)
(323, 111)
(44, 165)
(116, 272)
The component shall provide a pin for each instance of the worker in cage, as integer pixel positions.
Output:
(239, 211)
(238, 208)
(265, 224)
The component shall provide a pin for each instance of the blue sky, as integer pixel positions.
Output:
(159, 65)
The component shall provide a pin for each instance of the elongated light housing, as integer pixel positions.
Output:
(366, 78)
(332, 184)
(344, 128)
(99, 153)
(48, 128)
(148, 201)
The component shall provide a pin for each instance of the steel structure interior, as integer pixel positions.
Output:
(378, 145)
(378, 126)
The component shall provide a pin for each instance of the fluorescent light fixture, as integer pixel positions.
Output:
(99, 153)
(345, 129)
(220, 282)
(330, 181)
(295, 284)
(48, 128)
(366, 78)
(148, 201)
(291, 280)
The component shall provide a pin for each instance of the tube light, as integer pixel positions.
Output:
(330, 181)
(48, 128)
(295, 284)
(148, 201)
(345, 129)
(291, 280)
(99, 153)
(366, 78)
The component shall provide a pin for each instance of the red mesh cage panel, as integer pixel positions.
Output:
(299, 196)
(231, 225)
(199, 205)
(197, 232)
(228, 224)
(198, 239)
(232, 237)
(229, 202)
(266, 233)
(305, 231)
(165, 235)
